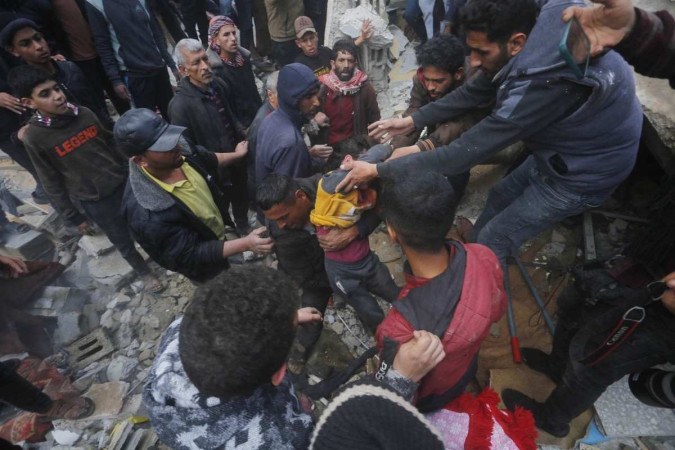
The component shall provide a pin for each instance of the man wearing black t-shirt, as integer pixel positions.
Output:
(315, 56)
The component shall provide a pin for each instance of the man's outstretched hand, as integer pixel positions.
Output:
(419, 355)
(384, 130)
(360, 172)
(605, 25)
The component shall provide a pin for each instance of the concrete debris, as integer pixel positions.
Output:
(111, 270)
(108, 397)
(65, 437)
(89, 349)
(121, 368)
(29, 245)
(350, 24)
(96, 245)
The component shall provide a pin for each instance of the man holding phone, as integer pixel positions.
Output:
(281, 146)
(583, 133)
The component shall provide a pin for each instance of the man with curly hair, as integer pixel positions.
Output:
(219, 377)
(442, 70)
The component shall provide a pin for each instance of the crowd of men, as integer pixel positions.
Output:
(308, 170)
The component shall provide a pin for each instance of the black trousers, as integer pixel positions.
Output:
(357, 281)
(95, 74)
(194, 16)
(152, 92)
(285, 52)
(19, 392)
(581, 328)
(308, 334)
(237, 193)
(106, 213)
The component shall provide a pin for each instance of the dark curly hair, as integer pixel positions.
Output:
(238, 330)
(499, 19)
(420, 208)
(23, 79)
(444, 51)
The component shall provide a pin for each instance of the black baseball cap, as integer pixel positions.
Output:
(140, 130)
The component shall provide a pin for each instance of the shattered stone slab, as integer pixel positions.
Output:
(111, 270)
(90, 348)
(108, 397)
(31, 246)
(352, 19)
(96, 245)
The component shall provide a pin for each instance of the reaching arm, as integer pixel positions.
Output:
(476, 92)
(529, 107)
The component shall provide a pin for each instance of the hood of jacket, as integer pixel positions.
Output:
(540, 55)
(148, 194)
(295, 81)
(184, 418)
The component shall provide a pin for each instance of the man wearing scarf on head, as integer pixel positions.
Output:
(232, 63)
(348, 99)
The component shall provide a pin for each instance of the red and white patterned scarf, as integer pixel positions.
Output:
(215, 25)
(350, 87)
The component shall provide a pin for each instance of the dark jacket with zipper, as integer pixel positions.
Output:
(244, 96)
(583, 133)
(127, 39)
(191, 108)
(168, 230)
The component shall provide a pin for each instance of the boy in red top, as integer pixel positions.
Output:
(453, 290)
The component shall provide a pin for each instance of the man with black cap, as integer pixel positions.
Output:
(172, 203)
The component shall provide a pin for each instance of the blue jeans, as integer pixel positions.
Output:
(522, 205)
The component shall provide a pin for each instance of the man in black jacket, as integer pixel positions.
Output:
(201, 105)
(133, 52)
(174, 209)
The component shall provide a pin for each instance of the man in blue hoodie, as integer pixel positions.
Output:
(281, 147)
(583, 133)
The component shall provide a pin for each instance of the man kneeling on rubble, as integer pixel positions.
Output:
(219, 377)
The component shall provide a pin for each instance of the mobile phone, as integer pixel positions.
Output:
(575, 48)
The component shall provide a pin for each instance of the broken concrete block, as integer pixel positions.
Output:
(96, 245)
(121, 368)
(65, 437)
(352, 19)
(31, 245)
(108, 398)
(124, 335)
(89, 349)
(107, 320)
(111, 270)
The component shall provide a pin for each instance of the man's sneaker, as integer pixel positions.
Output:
(537, 360)
(513, 398)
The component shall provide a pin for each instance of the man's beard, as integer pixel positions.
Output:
(346, 75)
